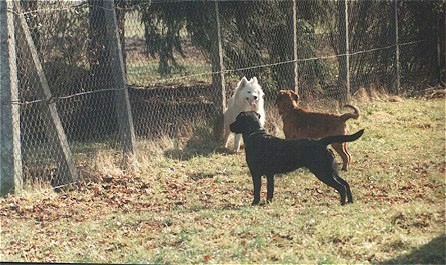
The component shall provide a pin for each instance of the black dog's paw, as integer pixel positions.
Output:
(346, 203)
(255, 202)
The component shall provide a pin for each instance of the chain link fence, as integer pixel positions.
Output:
(68, 66)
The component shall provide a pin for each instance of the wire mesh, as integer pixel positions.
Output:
(418, 43)
(167, 51)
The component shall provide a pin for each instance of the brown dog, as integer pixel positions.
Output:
(299, 123)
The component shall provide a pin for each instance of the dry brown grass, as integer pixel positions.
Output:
(187, 202)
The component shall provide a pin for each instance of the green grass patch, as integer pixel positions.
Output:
(179, 203)
(147, 73)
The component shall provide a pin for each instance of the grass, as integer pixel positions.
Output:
(189, 203)
(147, 73)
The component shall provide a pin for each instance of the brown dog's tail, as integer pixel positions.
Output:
(351, 115)
(341, 138)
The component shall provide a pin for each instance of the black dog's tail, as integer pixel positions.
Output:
(341, 138)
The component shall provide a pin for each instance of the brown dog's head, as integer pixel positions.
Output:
(286, 100)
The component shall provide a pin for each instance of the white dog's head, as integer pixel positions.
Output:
(250, 92)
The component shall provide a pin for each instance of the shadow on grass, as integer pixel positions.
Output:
(433, 252)
(201, 143)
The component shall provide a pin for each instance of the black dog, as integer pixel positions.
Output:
(269, 155)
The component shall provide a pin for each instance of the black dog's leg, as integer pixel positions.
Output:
(330, 181)
(347, 188)
(270, 188)
(257, 182)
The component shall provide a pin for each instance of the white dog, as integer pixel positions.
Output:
(248, 96)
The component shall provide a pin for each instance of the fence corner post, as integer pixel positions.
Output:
(54, 129)
(10, 149)
(123, 108)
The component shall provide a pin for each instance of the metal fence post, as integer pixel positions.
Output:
(295, 51)
(397, 48)
(438, 34)
(218, 77)
(123, 109)
(55, 130)
(10, 149)
(344, 51)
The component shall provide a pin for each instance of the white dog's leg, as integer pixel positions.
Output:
(226, 137)
(237, 139)
(227, 117)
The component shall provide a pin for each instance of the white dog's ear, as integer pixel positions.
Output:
(243, 82)
(254, 80)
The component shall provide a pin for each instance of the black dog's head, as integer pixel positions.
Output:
(246, 122)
